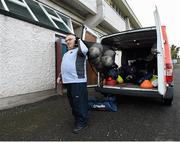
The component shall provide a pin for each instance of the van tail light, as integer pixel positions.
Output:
(169, 73)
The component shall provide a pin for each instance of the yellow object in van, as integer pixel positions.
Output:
(120, 79)
(154, 77)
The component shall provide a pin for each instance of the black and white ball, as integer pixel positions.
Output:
(107, 61)
(109, 53)
(95, 50)
(99, 66)
(96, 60)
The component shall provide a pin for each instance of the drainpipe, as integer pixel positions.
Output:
(128, 27)
(94, 21)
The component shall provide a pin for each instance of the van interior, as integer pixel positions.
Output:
(135, 60)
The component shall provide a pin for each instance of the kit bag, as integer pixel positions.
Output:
(108, 103)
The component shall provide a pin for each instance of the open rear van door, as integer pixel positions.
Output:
(160, 55)
(89, 35)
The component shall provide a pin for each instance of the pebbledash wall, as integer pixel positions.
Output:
(27, 61)
(27, 51)
(27, 57)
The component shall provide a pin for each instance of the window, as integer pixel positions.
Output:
(37, 13)
(36, 9)
(21, 8)
(1, 5)
(56, 19)
(51, 12)
(66, 20)
(60, 25)
(64, 47)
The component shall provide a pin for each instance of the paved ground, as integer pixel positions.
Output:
(137, 119)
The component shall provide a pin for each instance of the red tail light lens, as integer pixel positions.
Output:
(169, 73)
(169, 79)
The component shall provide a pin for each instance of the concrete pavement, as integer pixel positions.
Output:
(137, 119)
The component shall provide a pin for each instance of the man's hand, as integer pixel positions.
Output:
(59, 86)
(59, 81)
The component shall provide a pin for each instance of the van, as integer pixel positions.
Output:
(145, 50)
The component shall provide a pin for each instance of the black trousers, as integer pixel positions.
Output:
(78, 98)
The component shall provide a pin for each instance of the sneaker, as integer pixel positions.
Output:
(78, 128)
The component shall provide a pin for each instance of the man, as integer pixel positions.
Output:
(73, 76)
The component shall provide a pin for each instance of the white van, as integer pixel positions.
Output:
(133, 45)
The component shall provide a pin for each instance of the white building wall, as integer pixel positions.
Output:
(27, 57)
(111, 17)
(90, 4)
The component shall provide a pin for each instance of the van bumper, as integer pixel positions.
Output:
(169, 92)
(129, 92)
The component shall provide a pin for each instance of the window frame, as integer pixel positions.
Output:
(66, 21)
(52, 17)
(4, 5)
(23, 4)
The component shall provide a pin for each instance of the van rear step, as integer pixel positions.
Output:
(116, 90)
